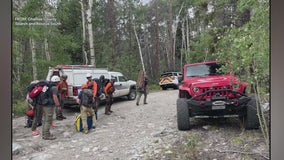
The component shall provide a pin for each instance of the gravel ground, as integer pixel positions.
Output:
(141, 132)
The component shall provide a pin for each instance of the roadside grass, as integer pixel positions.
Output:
(188, 148)
(19, 108)
(237, 141)
(154, 87)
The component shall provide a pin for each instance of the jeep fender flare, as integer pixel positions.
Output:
(184, 94)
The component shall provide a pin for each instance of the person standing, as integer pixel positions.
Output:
(48, 109)
(37, 118)
(142, 87)
(86, 107)
(101, 85)
(109, 89)
(37, 113)
(92, 84)
(63, 90)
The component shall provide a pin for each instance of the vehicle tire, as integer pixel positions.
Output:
(164, 88)
(251, 120)
(132, 94)
(176, 87)
(183, 120)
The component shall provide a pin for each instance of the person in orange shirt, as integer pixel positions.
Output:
(63, 91)
(92, 84)
(109, 89)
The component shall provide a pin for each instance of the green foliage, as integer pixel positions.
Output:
(19, 108)
(201, 48)
(192, 141)
(245, 46)
(154, 87)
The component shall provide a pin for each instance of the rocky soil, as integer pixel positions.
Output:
(141, 132)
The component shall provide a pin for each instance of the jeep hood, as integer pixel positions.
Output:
(211, 81)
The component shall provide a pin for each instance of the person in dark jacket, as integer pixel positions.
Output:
(49, 109)
(85, 109)
(109, 89)
(142, 87)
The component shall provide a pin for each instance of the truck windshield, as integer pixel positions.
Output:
(202, 70)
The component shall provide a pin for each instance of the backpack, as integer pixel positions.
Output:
(40, 92)
(45, 96)
(99, 87)
(87, 97)
(35, 89)
(111, 89)
(30, 119)
(79, 125)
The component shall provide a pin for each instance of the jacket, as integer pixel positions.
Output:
(63, 89)
(94, 87)
(109, 89)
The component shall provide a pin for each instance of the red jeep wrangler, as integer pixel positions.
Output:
(205, 93)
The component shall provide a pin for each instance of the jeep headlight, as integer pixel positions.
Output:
(195, 89)
(236, 86)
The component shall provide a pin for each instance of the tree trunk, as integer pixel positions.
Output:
(33, 50)
(46, 47)
(170, 30)
(139, 47)
(174, 36)
(46, 50)
(157, 42)
(183, 45)
(113, 30)
(84, 52)
(187, 38)
(90, 32)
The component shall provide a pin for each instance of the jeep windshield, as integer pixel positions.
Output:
(202, 70)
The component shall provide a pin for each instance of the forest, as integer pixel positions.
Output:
(129, 35)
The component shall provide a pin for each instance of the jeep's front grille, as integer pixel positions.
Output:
(217, 90)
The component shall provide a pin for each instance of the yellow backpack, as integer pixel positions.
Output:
(79, 125)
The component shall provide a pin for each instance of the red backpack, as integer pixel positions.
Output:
(35, 91)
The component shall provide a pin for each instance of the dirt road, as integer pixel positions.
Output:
(140, 132)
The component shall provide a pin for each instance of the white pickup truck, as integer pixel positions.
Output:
(123, 86)
(77, 76)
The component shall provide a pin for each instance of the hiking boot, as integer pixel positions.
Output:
(59, 118)
(35, 132)
(137, 104)
(63, 117)
(110, 111)
(49, 137)
(145, 103)
(86, 131)
(107, 113)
